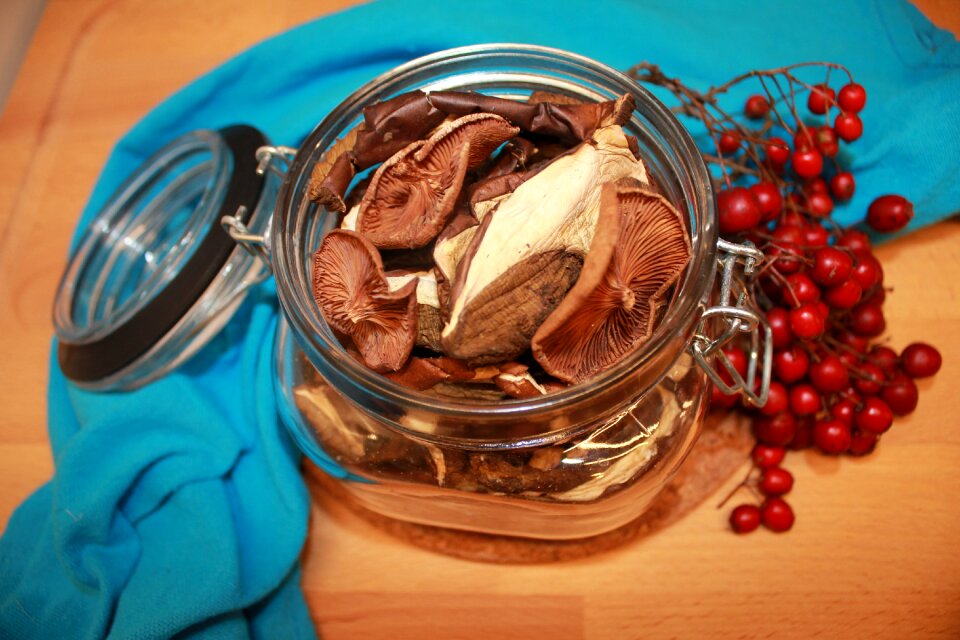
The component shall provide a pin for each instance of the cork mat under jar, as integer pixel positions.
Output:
(721, 450)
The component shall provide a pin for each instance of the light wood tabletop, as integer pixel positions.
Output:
(875, 549)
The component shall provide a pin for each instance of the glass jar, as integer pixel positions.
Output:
(570, 464)
(154, 277)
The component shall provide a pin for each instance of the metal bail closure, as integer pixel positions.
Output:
(734, 314)
(154, 276)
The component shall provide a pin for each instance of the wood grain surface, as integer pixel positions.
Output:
(875, 549)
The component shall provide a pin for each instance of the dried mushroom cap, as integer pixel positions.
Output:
(639, 250)
(355, 298)
(529, 243)
(413, 193)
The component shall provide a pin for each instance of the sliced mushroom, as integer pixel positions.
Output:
(412, 194)
(533, 242)
(354, 296)
(515, 380)
(640, 249)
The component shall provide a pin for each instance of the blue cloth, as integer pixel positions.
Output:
(178, 508)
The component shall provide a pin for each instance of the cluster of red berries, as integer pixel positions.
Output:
(822, 293)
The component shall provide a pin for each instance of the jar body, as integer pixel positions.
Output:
(571, 464)
(593, 481)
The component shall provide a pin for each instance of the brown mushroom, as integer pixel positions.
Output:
(638, 252)
(413, 193)
(355, 298)
(570, 123)
(332, 174)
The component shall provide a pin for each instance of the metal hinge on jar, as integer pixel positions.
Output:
(737, 315)
(275, 159)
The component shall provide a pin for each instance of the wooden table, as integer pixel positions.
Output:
(874, 551)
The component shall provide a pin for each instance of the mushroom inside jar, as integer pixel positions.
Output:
(499, 249)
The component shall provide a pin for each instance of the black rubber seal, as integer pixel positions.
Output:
(93, 361)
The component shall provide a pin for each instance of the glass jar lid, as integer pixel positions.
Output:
(155, 276)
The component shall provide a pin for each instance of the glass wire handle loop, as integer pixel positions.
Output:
(737, 314)
(276, 159)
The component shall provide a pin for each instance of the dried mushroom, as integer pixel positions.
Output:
(354, 296)
(429, 322)
(640, 249)
(413, 193)
(527, 253)
(332, 174)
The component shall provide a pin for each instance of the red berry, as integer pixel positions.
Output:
(848, 126)
(852, 340)
(804, 139)
(738, 210)
(799, 290)
(827, 143)
(745, 518)
(832, 436)
(769, 198)
(806, 322)
(831, 266)
(885, 358)
(779, 320)
(802, 434)
(775, 430)
(820, 98)
(777, 399)
(889, 213)
(872, 380)
(874, 415)
(867, 271)
(816, 185)
(852, 97)
(791, 365)
(865, 320)
(815, 235)
(804, 400)
(843, 410)
(776, 481)
(756, 107)
(776, 515)
(778, 151)
(877, 296)
(738, 358)
(862, 442)
(845, 295)
(729, 142)
(819, 204)
(766, 456)
(842, 186)
(920, 360)
(807, 163)
(901, 395)
(854, 240)
(829, 375)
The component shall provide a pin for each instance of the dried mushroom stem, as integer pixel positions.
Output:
(639, 251)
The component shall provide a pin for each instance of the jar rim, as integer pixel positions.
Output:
(311, 331)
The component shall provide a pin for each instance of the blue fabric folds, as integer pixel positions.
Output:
(177, 509)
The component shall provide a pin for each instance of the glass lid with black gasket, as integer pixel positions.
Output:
(157, 273)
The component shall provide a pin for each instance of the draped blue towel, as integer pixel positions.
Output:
(177, 509)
